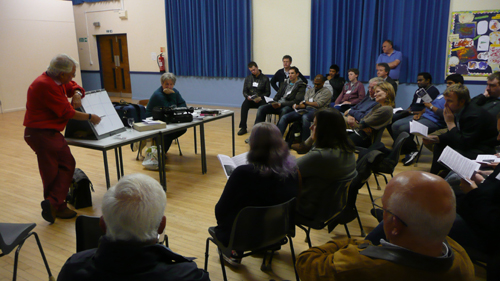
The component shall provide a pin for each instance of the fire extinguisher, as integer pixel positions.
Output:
(161, 62)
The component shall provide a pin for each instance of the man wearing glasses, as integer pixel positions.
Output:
(418, 212)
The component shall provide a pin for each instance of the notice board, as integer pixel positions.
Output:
(474, 48)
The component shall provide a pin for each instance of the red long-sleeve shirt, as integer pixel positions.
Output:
(47, 106)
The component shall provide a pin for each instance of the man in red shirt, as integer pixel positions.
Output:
(47, 113)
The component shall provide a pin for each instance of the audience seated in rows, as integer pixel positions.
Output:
(416, 220)
(334, 82)
(283, 74)
(379, 117)
(290, 93)
(424, 81)
(353, 115)
(316, 98)
(450, 80)
(270, 178)
(330, 160)
(431, 116)
(383, 71)
(255, 88)
(352, 93)
(471, 129)
(132, 218)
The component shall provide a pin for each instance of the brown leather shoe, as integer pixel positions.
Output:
(66, 214)
(301, 148)
(48, 211)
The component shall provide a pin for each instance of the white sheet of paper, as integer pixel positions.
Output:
(255, 84)
(417, 127)
(268, 99)
(464, 167)
(487, 158)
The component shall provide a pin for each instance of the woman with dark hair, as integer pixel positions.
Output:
(379, 117)
(331, 159)
(269, 178)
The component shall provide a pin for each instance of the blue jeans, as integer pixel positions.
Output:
(403, 125)
(268, 109)
(307, 118)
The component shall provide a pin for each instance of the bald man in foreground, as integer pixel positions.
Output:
(419, 210)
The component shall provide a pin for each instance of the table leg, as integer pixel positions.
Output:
(203, 150)
(106, 170)
(232, 127)
(117, 164)
(161, 162)
(121, 160)
(195, 146)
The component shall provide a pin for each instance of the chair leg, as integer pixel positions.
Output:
(179, 146)
(308, 238)
(378, 184)
(347, 231)
(419, 153)
(363, 234)
(370, 192)
(138, 151)
(16, 257)
(293, 257)
(221, 259)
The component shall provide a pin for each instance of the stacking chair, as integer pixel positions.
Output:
(332, 206)
(389, 163)
(377, 138)
(88, 233)
(258, 229)
(14, 235)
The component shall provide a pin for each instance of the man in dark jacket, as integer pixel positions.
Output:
(282, 74)
(471, 129)
(132, 218)
(291, 92)
(334, 82)
(256, 86)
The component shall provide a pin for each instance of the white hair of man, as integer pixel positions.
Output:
(61, 63)
(421, 222)
(133, 209)
(168, 76)
(376, 80)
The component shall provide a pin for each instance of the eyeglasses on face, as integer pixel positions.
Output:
(378, 202)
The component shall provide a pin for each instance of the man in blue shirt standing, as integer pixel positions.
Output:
(393, 58)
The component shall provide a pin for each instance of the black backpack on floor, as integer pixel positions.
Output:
(79, 192)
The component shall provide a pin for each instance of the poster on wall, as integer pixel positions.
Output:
(474, 48)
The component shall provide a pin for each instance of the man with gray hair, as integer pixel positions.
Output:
(353, 115)
(418, 212)
(47, 113)
(132, 218)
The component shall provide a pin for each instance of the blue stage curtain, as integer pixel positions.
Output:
(350, 33)
(209, 37)
(78, 2)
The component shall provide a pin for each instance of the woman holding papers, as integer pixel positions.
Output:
(269, 178)
(379, 117)
(332, 159)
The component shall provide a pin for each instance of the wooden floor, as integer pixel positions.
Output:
(191, 198)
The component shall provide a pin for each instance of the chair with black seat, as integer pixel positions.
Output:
(490, 262)
(14, 235)
(329, 210)
(88, 233)
(256, 230)
(389, 163)
(376, 138)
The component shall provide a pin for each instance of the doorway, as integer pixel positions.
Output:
(114, 64)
